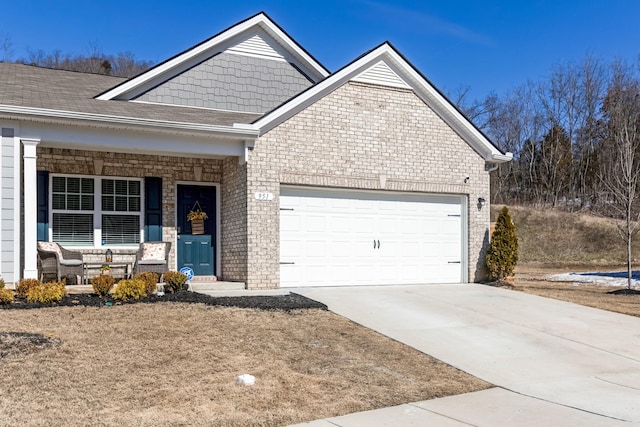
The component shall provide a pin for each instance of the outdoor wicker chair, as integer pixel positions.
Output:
(54, 260)
(153, 257)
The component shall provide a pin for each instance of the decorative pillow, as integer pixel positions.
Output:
(152, 251)
(50, 247)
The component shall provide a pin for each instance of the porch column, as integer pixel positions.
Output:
(30, 209)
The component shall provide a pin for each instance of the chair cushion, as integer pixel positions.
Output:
(152, 262)
(71, 262)
(50, 247)
(153, 252)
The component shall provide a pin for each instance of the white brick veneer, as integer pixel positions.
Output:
(365, 137)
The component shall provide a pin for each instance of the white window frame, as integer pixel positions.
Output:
(97, 209)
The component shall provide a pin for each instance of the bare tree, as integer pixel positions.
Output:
(620, 174)
(6, 48)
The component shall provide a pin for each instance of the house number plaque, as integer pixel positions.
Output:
(263, 196)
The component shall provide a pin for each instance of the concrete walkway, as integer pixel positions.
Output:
(555, 363)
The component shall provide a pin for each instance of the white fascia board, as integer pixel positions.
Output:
(234, 132)
(258, 20)
(120, 140)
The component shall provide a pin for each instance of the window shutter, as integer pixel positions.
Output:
(43, 206)
(153, 209)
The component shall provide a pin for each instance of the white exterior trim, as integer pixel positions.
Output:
(97, 209)
(259, 21)
(128, 122)
(92, 138)
(30, 209)
(406, 72)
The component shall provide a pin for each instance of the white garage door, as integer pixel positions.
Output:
(336, 238)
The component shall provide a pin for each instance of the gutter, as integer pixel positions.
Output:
(496, 159)
(237, 131)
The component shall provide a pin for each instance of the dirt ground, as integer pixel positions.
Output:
(531, 279)
(173, 363)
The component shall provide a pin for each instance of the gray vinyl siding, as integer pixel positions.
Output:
(7, 203)
(232, 82)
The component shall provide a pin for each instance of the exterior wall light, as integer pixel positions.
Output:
(481, 202)
(108, 256)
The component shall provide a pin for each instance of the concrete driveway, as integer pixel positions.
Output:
(555, 363)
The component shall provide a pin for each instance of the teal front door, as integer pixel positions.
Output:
(196, 247)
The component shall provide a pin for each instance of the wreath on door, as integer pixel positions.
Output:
(197, 216)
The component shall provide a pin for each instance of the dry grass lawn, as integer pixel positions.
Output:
(531, 280)
(176, 364)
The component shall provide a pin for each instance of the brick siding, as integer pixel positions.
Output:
(170, 169)
(361, 136)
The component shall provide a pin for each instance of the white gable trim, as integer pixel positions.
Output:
(191, 56)
(407, 74)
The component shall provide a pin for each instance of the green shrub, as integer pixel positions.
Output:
(6, 296)
(174, 280)
(150, 280)
(1, 283)
(102, 284)
(25, 284)
(46, 293)
(130, 289)
(502, 254)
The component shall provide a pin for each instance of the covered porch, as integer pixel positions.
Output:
(93, 188)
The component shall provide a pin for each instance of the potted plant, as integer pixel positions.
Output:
(105, 270)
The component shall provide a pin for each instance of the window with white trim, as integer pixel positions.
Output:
(96, 211)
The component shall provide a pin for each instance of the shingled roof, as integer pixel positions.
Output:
(44, 88)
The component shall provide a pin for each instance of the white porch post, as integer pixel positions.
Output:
(30, 209)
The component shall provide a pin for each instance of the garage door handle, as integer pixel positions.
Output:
(454, 262)
(376, 242)
(287, 263)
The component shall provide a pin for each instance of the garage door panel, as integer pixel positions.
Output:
(290, 249)
(366, 238)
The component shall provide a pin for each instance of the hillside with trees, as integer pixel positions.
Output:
(123, 64)
(574, 135)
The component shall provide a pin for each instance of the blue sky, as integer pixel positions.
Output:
(489, 46)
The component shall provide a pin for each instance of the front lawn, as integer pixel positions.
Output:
(172, 363)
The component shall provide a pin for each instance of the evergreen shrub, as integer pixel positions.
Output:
(502, 254)
(46, 293)
(6, 296)
(131, 289)
(174, 281)
(150, 280)
(102, 284)
(25, 284)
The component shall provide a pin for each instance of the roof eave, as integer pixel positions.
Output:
(237, 131)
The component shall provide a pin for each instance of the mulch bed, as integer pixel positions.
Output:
(276, 302)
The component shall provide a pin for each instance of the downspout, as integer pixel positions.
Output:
(494, 167)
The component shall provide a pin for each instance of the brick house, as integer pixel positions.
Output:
(367, 175)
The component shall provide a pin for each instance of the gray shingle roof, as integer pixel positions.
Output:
(29, 86)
